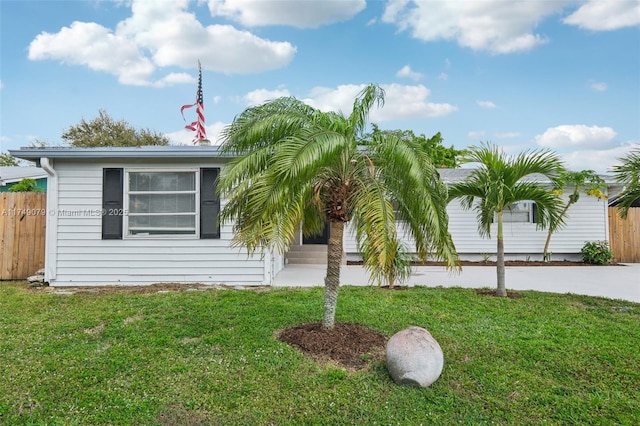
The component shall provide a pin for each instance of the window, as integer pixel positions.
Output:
(160, 203)
(520, 212)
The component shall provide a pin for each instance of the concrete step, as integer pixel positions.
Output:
(295, 248)
(306, 261)
(309, 254)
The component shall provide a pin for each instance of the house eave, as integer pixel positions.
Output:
(171, 151)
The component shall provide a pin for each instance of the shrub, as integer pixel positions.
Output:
(596, 252)
(26, 185)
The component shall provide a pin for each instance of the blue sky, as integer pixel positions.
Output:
(560, 74)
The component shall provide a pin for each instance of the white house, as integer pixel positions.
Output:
(587, 220)
(150, 214)
(140, 216)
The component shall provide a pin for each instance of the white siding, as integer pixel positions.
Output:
(586, 221)
(83, 258)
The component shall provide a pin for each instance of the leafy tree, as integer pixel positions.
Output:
(105, 131)
(26, 185)
(7, 159)
(500, 181)
(628, 174)
(440, 155)
(584, 180)
(299, 166)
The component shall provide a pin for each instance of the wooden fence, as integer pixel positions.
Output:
(22, 234)
(624, 235)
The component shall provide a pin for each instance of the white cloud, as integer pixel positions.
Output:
(577, 136)
(476, 134)
(97, 47)
(260, 96)
(401, 102)
(174, 78)
(599, 87)
(407, 72)
(443, 76)
(295, 13)
(160, 35)
(486, 104)
(496, 26)
(606, 15)
(185, 137)
(599, 160)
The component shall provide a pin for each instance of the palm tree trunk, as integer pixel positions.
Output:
(332, 279)
(502, 289)
(552, 228)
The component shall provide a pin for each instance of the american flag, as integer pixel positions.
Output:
(198, 125)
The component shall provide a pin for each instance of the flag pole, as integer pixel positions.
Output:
(198, 126)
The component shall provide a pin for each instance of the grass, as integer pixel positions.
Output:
(191, 358)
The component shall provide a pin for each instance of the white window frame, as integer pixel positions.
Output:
(508, 216)
(127, 210)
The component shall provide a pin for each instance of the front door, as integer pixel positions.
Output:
(322, 238)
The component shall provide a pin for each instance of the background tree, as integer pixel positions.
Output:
(298, 166)
(105, 131)
(440, 155)
(628, 174)
(498, 182)
(586, 180)
(8, 160)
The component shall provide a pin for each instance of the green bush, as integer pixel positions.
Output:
(26, 185)
(596, 252)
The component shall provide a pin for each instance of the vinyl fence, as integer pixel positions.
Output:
(22, 234)
(624, 235)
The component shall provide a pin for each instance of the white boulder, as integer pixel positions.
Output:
(414, 357)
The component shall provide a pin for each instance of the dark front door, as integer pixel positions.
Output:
(322, 238)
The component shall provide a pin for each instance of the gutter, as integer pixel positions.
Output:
(51, 241)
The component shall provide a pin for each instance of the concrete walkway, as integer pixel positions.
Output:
(614, 282)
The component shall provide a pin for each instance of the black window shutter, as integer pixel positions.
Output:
(112, 190)
(534, 213)
(209, 204)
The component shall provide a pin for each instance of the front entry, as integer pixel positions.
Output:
(322, 238)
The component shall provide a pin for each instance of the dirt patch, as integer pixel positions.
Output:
(141, 289)
(349, 345)
(510, 294)
(507, 263)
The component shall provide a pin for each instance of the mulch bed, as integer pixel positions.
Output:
(507, 263)
(510, 294)
(349, 345)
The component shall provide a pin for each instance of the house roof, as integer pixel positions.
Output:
(10, 174)
(198, 151)
(167, 151)
(457, 175)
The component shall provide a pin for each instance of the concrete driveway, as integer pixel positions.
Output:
(614, 282)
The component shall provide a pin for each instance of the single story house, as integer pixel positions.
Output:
(11, 175)
(145, 215)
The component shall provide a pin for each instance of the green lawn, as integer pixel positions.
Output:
(192, 357)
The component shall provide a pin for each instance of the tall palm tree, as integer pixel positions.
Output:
(628, 173)
(500, 181)
(299, 166)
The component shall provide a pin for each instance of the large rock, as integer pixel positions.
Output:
(414, 357)
(37, 280)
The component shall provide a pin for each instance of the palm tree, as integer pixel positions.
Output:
(298, 166)
(500, 181)
(628, 173)
(587, 180)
